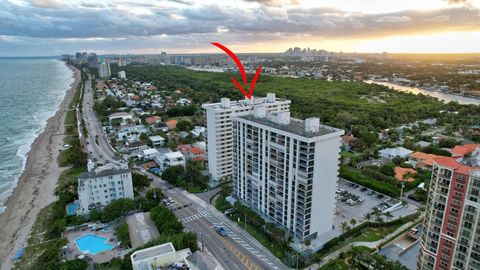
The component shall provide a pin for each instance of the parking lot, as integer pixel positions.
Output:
(354, 201)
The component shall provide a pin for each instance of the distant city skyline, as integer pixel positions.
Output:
(53, 27)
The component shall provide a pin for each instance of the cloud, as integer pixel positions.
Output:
(392, 19)
(456, 1)
(170, 23)
(49, 4)
(92, 5)
(275, 3)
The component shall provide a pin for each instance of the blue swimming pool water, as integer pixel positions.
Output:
(92, 244)
(72, 208)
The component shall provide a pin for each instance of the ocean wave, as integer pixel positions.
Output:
(24, 141)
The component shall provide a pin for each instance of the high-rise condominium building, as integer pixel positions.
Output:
(122, 62)
(92, 60)
(287, 170)
(99, 187)
(219, 129)
(451, 238)
(104, 71)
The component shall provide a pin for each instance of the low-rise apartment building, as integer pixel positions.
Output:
(102, 185)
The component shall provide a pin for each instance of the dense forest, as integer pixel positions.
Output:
(366, 107)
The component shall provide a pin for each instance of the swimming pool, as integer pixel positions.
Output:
(93, 244)
(72, 208)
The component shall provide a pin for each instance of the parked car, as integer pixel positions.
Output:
(230, 211)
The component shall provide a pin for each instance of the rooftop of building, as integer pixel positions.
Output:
(173, 155)
(462, 150)
(106, 170)
(404, 174)
(227, 104)
(460, 166)
(295, 126)
(155, 251)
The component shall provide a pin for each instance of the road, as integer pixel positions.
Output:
(97, 145)
(237, 250)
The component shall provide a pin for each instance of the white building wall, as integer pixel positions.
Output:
(318, 217)
(219, 130)
(327, 162)
(101, 190)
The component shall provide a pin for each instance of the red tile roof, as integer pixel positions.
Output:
(454, 165)
(424, 159)
(462, 150)
(153, 119)
(171, 124)
(400, 172)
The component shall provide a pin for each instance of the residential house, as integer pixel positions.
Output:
(157, 141)
(404, 174)
(150, 153)
(422, 160)
(131, 133)
(170, 159)
(395, 152)
(171, 124)
(183, 102)
(133, 147)
(192, 152)
(461, 151)
(372, 162)
(120, 118)
(346, 139)
(152, 120)
(198, 131)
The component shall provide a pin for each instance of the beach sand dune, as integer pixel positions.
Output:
(36, 185)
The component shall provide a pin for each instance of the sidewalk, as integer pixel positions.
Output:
(372, 245)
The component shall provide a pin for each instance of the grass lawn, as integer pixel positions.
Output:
(221, 204)
(259, 235)
(375, 234)
(178, 118)
(191, 188)
(336, 264)
(339, 264)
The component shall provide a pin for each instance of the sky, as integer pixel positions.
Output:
(53, 27)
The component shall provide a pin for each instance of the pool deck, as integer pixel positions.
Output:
(74, 252)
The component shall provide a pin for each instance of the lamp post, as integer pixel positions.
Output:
(245, 220)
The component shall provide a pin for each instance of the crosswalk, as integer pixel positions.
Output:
(245, 245)
(233, 236)
(196, 216)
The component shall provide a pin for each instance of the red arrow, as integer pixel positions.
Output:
(242, 72)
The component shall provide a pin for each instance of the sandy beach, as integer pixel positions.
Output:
(36, 185)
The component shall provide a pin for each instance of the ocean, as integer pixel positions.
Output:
(31, 90)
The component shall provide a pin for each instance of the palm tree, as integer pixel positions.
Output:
(367, 216)
(353, 221)
(379, 220)
(344, 226)
(388, 215)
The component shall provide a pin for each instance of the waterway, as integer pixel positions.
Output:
(445, 97)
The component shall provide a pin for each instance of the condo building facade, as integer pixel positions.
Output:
(451, 238)
(98, 187)
(219, 118)
(287, 170)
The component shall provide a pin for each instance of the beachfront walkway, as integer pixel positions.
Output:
(372, 245)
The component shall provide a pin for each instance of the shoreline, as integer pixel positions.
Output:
(35, 187)
(467, 99)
